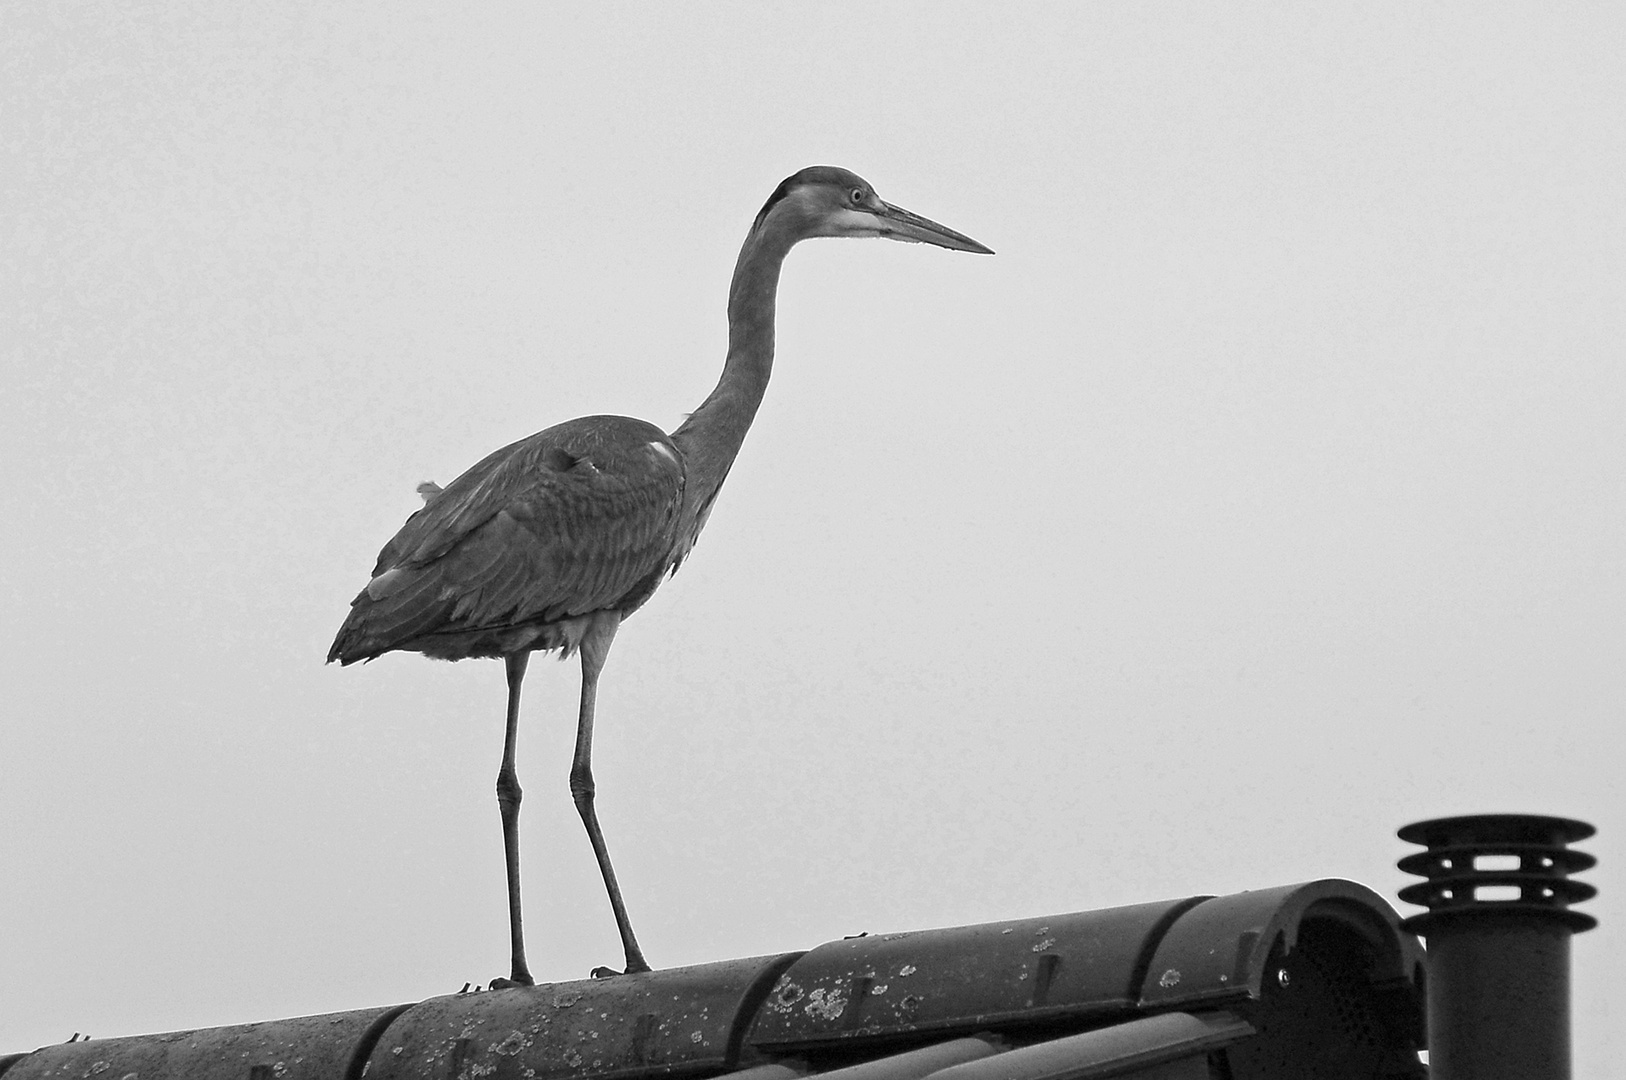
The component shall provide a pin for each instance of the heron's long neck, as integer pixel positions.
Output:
(711, 436)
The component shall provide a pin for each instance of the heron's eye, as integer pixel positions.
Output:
(858, 196)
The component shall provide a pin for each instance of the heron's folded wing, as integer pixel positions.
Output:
(563, 523)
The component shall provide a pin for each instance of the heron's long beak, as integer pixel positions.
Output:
(899, 224)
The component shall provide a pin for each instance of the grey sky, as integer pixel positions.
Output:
(1263, 493)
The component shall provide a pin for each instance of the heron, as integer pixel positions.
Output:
(550, 542)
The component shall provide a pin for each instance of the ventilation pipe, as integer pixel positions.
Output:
(1498, 926)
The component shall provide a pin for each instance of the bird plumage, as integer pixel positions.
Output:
(586, 516)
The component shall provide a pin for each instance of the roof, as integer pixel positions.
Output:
(1268, 979)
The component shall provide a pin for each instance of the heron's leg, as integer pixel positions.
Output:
(508, 796)
(595, 647)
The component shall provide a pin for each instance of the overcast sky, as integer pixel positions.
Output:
(1264, 493)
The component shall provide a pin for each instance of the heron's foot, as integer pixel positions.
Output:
(509, 984)
(637, 968)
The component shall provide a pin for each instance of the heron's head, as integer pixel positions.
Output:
(823, 200)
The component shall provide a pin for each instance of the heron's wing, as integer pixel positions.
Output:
(575, 519)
